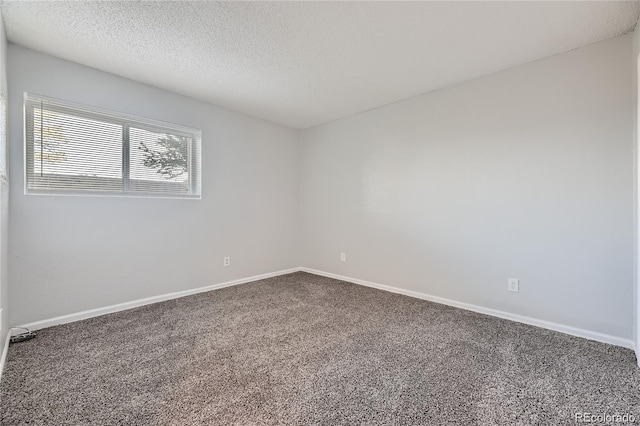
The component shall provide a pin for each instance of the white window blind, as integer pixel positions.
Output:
(77, 149)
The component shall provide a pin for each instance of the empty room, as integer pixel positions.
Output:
(319, 213)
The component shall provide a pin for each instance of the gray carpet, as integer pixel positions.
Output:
(302, 349)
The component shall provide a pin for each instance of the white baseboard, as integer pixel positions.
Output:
(574, 331)
(5, 349)
(579, 332)
(64, 319)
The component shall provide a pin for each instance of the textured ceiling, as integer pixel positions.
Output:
(306, 63)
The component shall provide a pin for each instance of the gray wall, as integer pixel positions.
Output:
(4, 205)
(634, 79)
(73, 253)
(527, 173)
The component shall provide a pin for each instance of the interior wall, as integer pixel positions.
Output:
(636, 295)
(526, 173)
(4, 198)
(74, 253)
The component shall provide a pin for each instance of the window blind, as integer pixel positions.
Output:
(78, 149)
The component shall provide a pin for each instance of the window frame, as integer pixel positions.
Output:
(126, 121)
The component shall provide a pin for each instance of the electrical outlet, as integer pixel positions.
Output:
(513, 284)
(226, 261)
(343, 257)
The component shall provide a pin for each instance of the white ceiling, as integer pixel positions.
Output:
(307, 63)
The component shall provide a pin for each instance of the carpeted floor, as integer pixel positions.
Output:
(306, 350)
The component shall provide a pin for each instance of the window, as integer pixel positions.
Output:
(75, 149)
